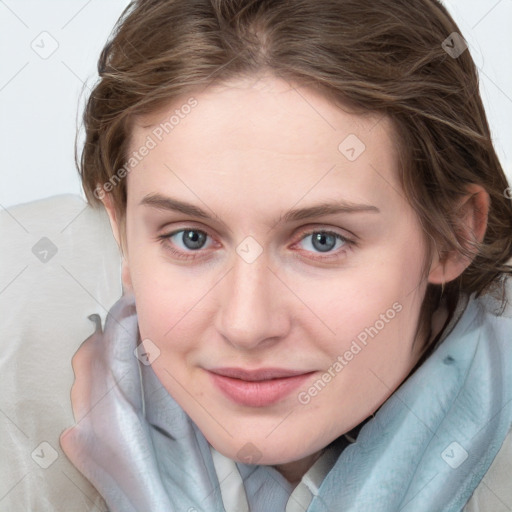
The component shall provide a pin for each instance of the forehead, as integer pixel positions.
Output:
(259, 100)
(256, 134)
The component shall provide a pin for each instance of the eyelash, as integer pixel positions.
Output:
(348, 243)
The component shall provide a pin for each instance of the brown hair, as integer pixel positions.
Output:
(380, 56)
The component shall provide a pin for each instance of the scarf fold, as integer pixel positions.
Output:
(426, 449)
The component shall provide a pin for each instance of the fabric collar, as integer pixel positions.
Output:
(234, 495)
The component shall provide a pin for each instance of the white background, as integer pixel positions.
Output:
(41, 99)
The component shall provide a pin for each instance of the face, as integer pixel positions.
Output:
(267, 229)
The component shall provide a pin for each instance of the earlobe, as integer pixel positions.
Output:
(447, 268)
(472, 213)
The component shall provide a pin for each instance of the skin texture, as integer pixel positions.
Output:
(248, 152)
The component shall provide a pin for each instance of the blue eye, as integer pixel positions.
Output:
(192, 239)
(325, 241)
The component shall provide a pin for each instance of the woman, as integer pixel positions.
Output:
(315, 232)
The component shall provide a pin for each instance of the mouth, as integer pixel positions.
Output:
(258, 374)
(257, 388)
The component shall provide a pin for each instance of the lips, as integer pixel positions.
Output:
(258, 388)
(259, 374)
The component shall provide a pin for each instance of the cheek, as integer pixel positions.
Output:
(372, 311)
(357, 300)
(170, 301)
(159, 306)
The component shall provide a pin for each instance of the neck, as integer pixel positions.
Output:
(295, 470)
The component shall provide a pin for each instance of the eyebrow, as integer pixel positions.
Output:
(161, 202)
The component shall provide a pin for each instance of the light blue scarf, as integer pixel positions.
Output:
(426, 449)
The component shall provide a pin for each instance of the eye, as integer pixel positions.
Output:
(192, 238)
(325, 241)
(187, 240)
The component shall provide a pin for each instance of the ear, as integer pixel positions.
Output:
(473, 211)
(108, 203)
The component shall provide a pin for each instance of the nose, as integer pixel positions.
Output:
(252, 308)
